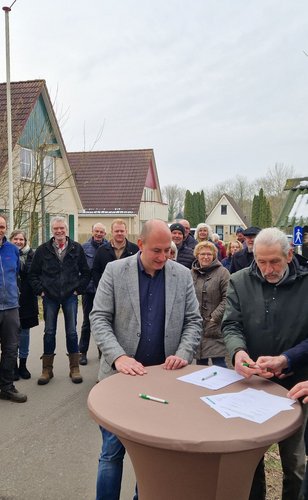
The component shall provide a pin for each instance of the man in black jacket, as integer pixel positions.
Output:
(244, 257)
(185, 254)
(59, 273)
(117, 248)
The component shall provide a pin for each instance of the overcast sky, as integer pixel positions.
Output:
(217, 88)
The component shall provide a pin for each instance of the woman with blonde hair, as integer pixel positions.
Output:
(211, 281)
(28, 304)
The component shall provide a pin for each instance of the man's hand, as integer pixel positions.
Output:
(300, 390)
(174, 362)
(274, 364)
(245, 366)
(129, 366)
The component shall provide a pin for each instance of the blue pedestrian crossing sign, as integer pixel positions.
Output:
(298, 235)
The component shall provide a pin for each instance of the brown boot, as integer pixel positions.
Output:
(47, 373)
(74, 367)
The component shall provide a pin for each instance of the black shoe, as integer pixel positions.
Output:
(13, 395)
(83, 359)
(16, 373)
(23, 370)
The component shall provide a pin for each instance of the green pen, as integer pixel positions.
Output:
(209, 376)
(152, 398)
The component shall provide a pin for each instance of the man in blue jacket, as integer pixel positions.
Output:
(9, 316)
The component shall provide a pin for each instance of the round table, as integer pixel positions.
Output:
(185, 449)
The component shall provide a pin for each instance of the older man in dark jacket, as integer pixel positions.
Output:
(264, 317)
(244, 257)
(59, 273)
(185, 254)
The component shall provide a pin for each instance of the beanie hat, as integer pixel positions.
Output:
(176, 226)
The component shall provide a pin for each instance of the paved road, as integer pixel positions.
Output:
(49, 445)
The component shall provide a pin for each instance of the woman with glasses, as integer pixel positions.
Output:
(210, 280)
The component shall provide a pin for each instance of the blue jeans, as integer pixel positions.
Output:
(218, 361)
(51, 310)
(110, 468)
(24, 341)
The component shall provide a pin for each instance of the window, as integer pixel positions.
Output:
(233, 229)
(26, 163)
(148, 194)
(223, 209)
(29, 163)
(49, 170)
(220, 231)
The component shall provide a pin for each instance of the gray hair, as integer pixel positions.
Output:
(202, 225)
(271, 236)
(58, 218)
(16, 232)
(99, 224)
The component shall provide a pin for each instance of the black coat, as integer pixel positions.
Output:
(185, 256)
(107, 254)
(59, 279)
(28, 306)
(240, 260)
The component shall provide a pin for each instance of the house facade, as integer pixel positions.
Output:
(226, 217)
(117, 184)
(43, 184)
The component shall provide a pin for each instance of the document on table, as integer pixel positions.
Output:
(213, 377)
(250, 404)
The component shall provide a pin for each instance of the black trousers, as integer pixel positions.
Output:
(9, 335)
(87, 304)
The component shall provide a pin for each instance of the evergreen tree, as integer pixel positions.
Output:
(188, 207)
(202, 215)
(255, 211)
(261, 215)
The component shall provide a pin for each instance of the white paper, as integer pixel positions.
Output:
(250, 404)
(213, 377)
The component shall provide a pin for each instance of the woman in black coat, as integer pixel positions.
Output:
(28, 305)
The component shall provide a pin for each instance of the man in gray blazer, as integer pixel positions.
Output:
(157, 321)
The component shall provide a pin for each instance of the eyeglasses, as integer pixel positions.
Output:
(207, 254)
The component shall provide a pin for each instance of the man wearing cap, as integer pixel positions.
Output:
(185, 254)
(244, 258)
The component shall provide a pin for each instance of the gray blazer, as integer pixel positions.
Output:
(115, 317)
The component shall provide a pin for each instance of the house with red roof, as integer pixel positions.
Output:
(117, 184)
(43, 183)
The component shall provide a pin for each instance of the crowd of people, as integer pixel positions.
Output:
(171, 298)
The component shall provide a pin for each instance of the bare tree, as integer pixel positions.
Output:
(273, 184)
(37, 180)
(175, 197)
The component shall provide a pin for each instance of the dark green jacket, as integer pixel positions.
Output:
(265, 319)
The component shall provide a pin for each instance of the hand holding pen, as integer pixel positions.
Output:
(245, 366)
